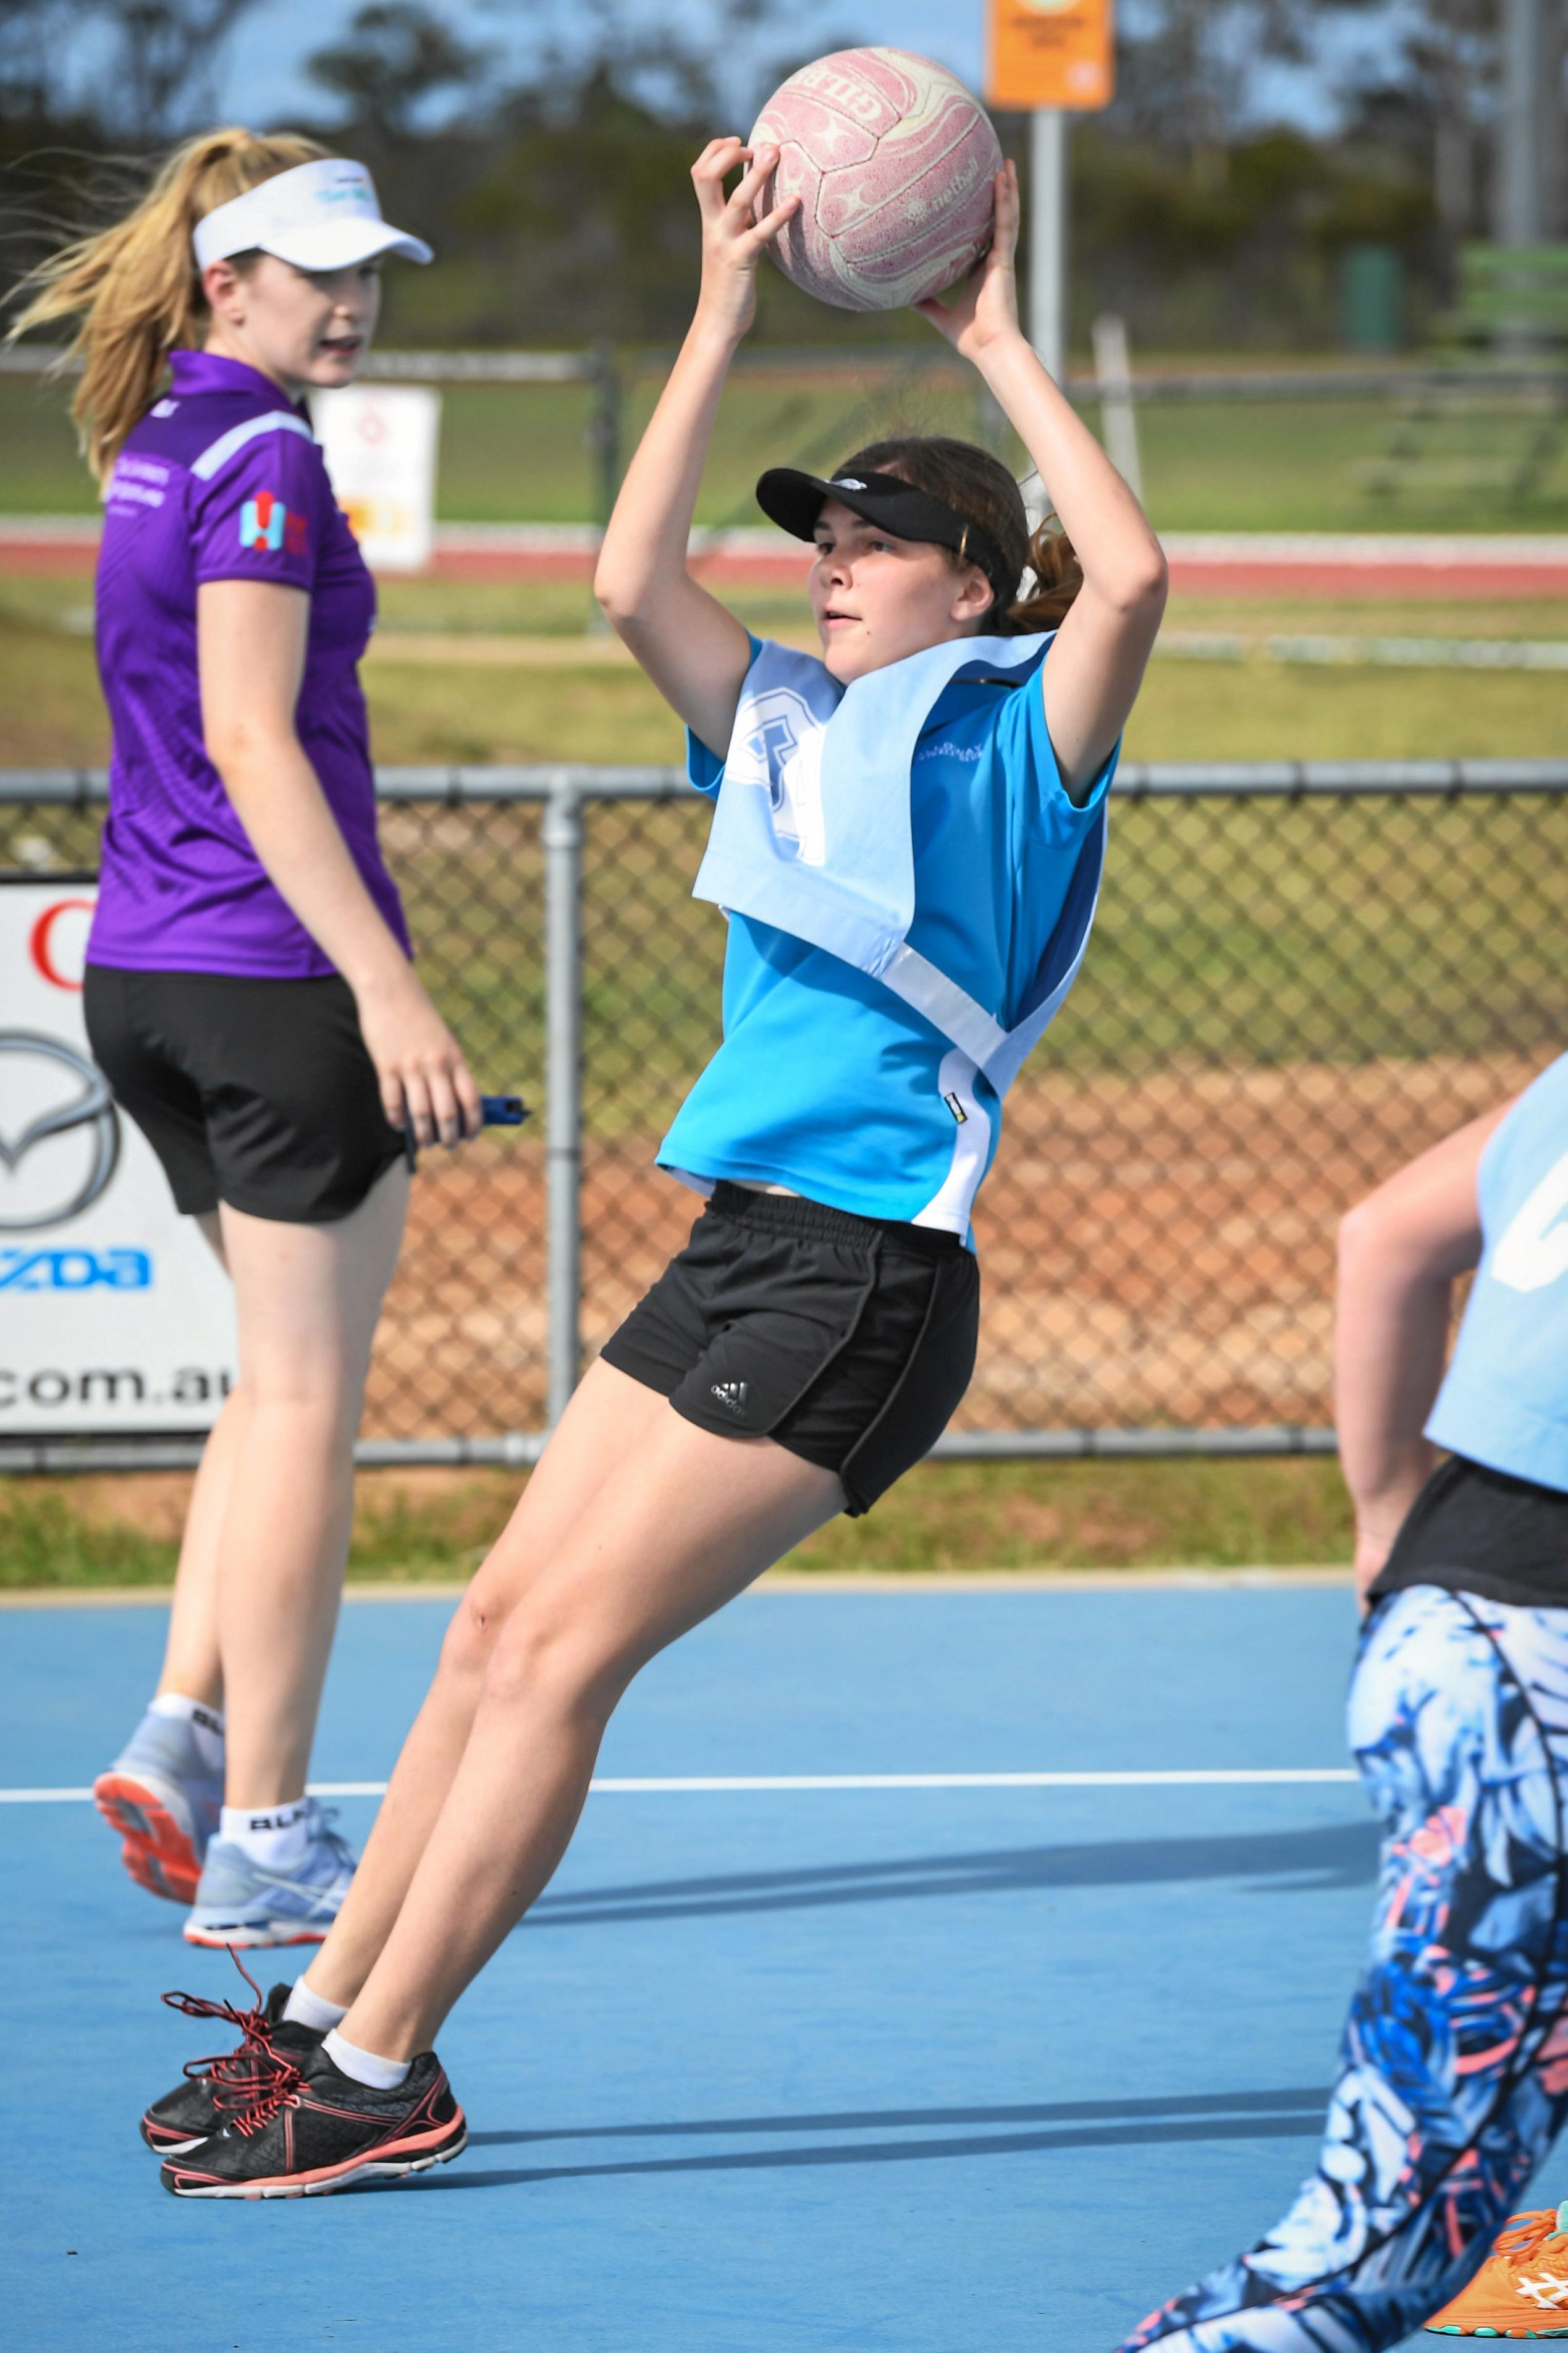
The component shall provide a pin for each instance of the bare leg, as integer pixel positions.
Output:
(682, 1522)
(308, 1298)
(604, 1422)
(191, 1664)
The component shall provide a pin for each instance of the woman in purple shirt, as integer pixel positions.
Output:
(248, 989)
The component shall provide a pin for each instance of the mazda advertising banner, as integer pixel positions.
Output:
(114, 1313)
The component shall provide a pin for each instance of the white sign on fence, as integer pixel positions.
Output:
(114, 1314)
(380, 441)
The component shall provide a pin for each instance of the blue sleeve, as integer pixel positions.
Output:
(1040, 806)
(264, 514)
(705, 768)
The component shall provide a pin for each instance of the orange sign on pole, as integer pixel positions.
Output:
(1051, 53)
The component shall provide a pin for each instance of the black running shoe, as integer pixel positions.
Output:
(295, 2130)
(184, 2117)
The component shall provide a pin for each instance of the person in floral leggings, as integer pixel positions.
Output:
(1452, 2073)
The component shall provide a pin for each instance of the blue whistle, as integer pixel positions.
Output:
(494, 1110)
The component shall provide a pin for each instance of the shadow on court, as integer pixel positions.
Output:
(1198, 2104)
(1069, 2125)
(808, 2096)
(1328, 1855)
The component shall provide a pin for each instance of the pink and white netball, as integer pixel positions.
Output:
(894, 163)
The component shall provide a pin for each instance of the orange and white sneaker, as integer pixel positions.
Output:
(1522, 2289)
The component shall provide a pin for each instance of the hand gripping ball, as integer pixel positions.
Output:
(893, 162)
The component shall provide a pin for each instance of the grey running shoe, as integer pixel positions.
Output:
(239, 1902)
(164, 1803)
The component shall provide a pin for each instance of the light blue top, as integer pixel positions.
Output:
(1505, 1400)
(830, 1082)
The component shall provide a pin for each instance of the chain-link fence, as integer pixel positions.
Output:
(1300, 975)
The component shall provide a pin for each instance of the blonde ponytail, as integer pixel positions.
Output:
(134, 288)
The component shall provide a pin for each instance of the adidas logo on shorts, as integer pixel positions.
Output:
(731, 1395)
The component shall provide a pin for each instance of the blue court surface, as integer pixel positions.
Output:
(926, 2068)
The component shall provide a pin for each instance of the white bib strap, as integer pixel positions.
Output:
(811, 833)
(1000, 1054)
(944, 1004)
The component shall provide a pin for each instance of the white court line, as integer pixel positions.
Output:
(705, 1785)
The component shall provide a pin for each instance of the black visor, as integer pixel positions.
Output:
(794, 500)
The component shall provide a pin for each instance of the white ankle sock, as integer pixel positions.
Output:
(206, 1722)
(365, 2066)
(274, 1836)
(306, 2007)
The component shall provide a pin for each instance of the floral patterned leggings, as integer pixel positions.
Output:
(1453, 2079)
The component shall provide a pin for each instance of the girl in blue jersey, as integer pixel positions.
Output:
(907, 835)
(1453, 2079)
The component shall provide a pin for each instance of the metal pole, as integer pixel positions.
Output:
(1519, 164)
(605, 431)
(561, 832)
(1048, 237)
(604, 447)
(1118, 419)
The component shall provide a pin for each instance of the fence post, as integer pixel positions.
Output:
(563, 841)
(604, 444)
(605, 430)
(1117, 419)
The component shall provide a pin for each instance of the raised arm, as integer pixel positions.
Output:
(696, 653)
(1400, 1250)
(250, 637)
(1092, 674)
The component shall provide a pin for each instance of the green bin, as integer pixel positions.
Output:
(1372, 298)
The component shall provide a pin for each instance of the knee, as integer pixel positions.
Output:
(469, 1643)
(542, 1659)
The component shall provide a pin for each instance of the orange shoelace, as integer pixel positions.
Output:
(254, 2026)
(1524, 2238)
(260, 2082)
(250, 2084)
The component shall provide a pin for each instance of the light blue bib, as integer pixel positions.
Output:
(811, 833)
(1505, 1400)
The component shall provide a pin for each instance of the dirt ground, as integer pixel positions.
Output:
(1155, 1250)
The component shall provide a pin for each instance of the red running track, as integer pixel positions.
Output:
(1312, 566)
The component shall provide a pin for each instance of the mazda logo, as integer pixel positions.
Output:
(90, 1107)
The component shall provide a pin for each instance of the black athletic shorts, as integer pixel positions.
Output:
(1475, 1530)
(257, 1093)
(849, 1340)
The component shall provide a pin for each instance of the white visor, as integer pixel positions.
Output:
(319, 216)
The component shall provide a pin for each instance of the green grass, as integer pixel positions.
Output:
(1296, 465)
(50, 709)
(944, 1516)
(47, 1540)
(522, 454)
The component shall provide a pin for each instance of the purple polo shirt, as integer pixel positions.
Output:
(221, 480)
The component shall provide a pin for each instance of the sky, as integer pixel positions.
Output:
(262, 80)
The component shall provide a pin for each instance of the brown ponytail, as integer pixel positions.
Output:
(979, 487)
(135, 289)
(1059, 576)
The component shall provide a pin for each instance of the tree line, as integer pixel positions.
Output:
(557, 197)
